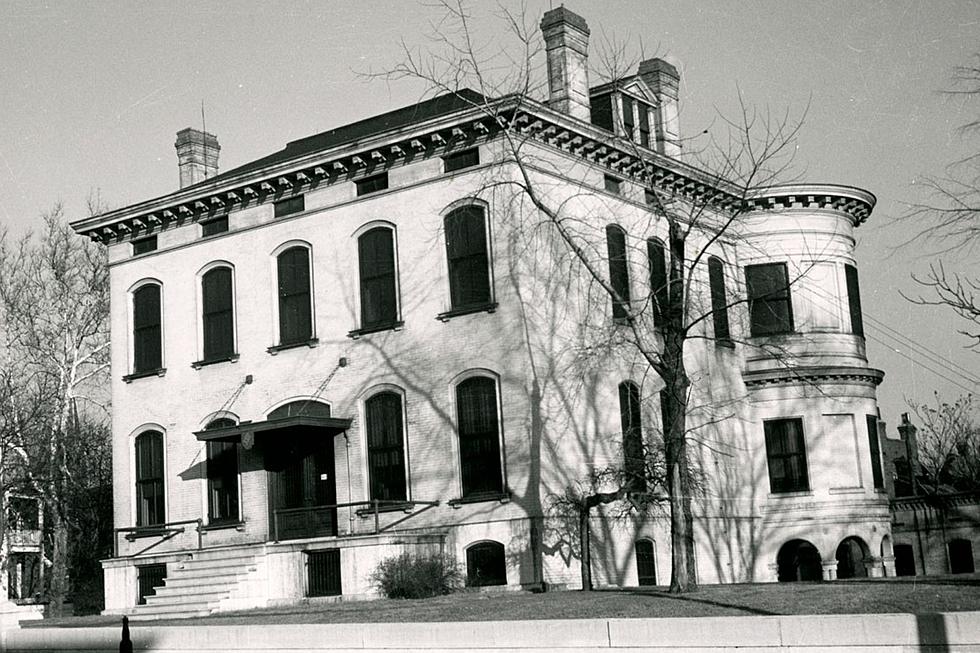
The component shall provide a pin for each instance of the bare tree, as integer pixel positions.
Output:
(54, 307)
(949, 444)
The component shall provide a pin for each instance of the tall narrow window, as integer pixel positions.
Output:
(218, 314)
(875, 448)
(469, 262)
(630, 417)
(149, 479)
(770, 309)
(629, 124)
(376, 261)
(644, 125)
(602, 114)
(295, 312)
(646, 563)
(147, 347)
(719, 299)
(386, 446)
(619, 274)
(479, 436)
(659, 282)
(786, 453)
(854, 300)
(222, 477)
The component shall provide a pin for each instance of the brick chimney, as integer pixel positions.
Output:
(664, 80)
(197, 156)
(566, 39)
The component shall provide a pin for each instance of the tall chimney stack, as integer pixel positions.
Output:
(566, 38)
(197, 156)
(907, 432)
(664, 80)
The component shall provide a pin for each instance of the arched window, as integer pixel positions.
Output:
(646, 563)
(295, 308)
(486, 564)
(147, 345)
(479, 436)
(222, 473)
(218, 314)
(386, 446)
(150, 495)
(719, 299)
(632, 422)
(469, 260)
(619, 274)
(307, 407)
(376, 264)
(659, 282)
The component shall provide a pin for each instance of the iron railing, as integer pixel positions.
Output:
(372, 507)
(165, 532)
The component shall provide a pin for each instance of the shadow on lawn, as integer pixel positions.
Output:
(718, 604)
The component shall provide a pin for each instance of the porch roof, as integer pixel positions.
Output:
(278, 426)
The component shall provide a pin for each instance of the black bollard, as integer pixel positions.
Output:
(125, 645)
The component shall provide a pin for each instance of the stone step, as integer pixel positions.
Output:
(167, 609)
(185, 614)
(184, 594)
(213, 580)
(211, 572)
(216, 562)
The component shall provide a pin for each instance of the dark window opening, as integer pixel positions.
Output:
(854, 300)
(719, 299)
(786, 453)
(218, 318)
(646, 563)
(770, 309)
(148, 579)
(619, 274)
(460, 160)
(613, 184)
(144, 245)
(296, 204)
(469, 261)
(798, 560)
(149, 479)
(629, 124)
(295, 311)
(386, 448)
(850, 559)
(659, 282)
(147, 346)
(644, 124)
(631, 419)
(479, 436)
(216, 226)
(486, 565)
(602, 114)
(323, 573)
(222, 471)
(376, 263)
(875, 447)
(371, 184)
(961, 557)
(904, 560)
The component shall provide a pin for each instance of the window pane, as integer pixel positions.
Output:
(144, 245)
(295, 313)
(479, 436)
(147, 350)
(386, 460)
(216, 290)
(371, 184)
(376, 255)
(854, 300)
(719, 299)
(631, 419)
(222, 473)
(770, 308)
(602, 112)
(461, 160)
(149, 479)
(289, 206)
(786, 454)
(619, 276)
(875, 448)
(659, 283)
(466, 246)
(216, 226)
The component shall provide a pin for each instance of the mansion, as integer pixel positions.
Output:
(370, 342)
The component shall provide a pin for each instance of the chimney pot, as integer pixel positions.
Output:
(566, 38)
(197, 156)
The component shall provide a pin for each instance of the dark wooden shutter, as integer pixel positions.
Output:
(659, 283)
(631, 418)
(295, 314)
(218, 318)
(376, 261)
(854, 300)
(619, 274)
(769, 299)
(875, 447)
(386, 451)
(149, 479)
(469, 269)
(479, 436)
(719, 299)
(147, 348)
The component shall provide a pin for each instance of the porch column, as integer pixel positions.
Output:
(830, 570)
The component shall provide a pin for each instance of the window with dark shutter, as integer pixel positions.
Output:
(386, 446)
(479, 436)
(147, 347)
(875, 448)
(854, 300)
(659, 283)
(469, 262)
(290, 205)
(218, 314)
(460, 160)
(719, 299)
(295, 312)
(619, 274)
(149, 479)
(222, 472)
(770, 309)
(631, 418)
(376, 263)
(786, 455)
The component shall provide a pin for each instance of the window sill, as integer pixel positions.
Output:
(482, 497)
(390, 326)
(466, 310)
(392, 507)
(791, 495)
(224, 526)
(846, 490)
(275, 349)
(129, 378)
(233, 358)
(147, 531)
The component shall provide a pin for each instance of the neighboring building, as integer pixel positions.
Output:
(22, 548)
(362, 345)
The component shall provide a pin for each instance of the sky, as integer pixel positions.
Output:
(93, 93)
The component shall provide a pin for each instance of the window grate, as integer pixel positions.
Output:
(148, 579)
(323, 573)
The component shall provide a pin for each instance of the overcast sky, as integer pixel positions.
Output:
(92, 94)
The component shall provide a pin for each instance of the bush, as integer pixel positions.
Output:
(408, 576)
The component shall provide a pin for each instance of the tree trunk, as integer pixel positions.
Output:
(59, 566)
(585, 545)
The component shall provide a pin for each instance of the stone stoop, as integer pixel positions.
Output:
(207, 582)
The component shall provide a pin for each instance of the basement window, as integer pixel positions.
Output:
(323, 573)
(148, 579)
(144, 245)
(290, 206)
(461, 160)
(372, 184)
(214, 227)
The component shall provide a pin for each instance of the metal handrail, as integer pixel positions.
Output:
(375, 504)
(166, 530)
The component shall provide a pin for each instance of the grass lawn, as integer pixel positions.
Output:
(918, 596)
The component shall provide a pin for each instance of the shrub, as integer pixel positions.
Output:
(409, 576)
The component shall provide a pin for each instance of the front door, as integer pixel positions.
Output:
(302, 487)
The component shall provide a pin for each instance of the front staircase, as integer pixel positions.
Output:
(205, 582)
